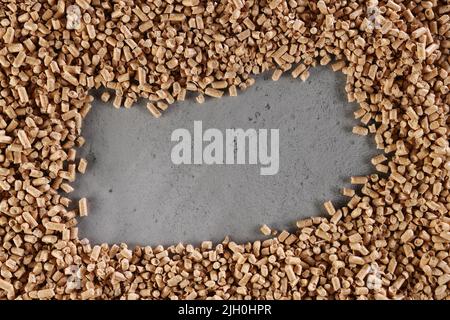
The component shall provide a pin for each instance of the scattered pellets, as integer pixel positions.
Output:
(8, 37)
(359, 180)
(293, 260)
(200, 98)
(5, 139)
(105, 96)
(407, 236)
(82, 165)
(305, 75)
(277, 74)
(298, 70)
(55, 226)
(265, 230)
(23, 95)
(82, 207)
(213, 92)
(348, 192)
(6, 286)
(360, 131)
(233, 91)
(161, 105)
(45, 294)
(330, 208)
(378, 159)
(67, 187)
(153, 110)
(398, 177)
(24, 139)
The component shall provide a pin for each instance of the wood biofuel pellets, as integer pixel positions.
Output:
(390, 241)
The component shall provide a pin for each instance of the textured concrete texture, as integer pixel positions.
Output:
(136, 195)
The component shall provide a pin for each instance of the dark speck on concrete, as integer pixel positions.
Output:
(91, 156)
(110, 190)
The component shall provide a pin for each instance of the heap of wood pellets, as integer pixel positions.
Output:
(390, 241)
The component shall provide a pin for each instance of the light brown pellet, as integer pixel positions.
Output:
(356, 260)
(8, 287)
(359, 180)
(82, 207)
(293, 260)
(305, 75)
(23, 95)
(200, 98)
(407, 236)
(82, 165)
(34, 191)
(398, 177)
(153, 110)
(29, 219)
(70, 78)
(265, 230)
(55, 226)
(330, 208)
(298, 70)
(213, 92)
(378, 159)
(117, 103)
(67, 187)
(19, 60)
(8, 37)
(277, 74)
(45, 294)
(24, 139)
(360, 131)
(233, 91)
(348, 192)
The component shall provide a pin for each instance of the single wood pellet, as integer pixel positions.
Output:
(265, 230)
(82, 207)
(394, 231)
(82, 165)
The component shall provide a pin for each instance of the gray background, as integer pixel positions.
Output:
(136, 195)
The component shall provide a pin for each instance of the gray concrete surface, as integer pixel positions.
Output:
(136, 195)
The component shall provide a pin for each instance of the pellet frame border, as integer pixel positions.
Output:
(47, 290)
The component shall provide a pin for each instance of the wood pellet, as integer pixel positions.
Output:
(391, 240)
